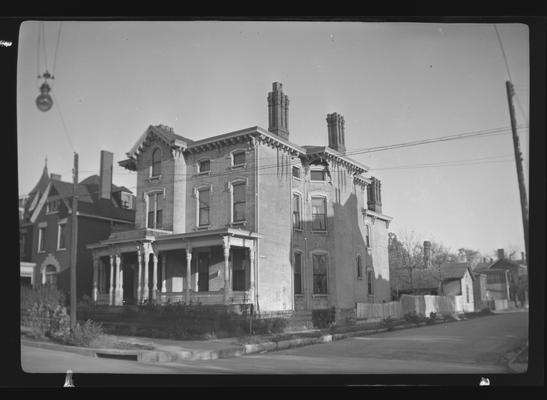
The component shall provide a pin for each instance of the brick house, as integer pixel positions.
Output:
(248, 217)
(45, 228)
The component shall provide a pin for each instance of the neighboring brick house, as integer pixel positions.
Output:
(248, 217)
(45, 229)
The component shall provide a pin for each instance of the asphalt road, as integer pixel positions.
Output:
(472, 346)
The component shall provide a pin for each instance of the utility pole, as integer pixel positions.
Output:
(73, 243)
(518, 161)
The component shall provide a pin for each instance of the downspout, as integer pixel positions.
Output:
(257, 227)
(289, 176)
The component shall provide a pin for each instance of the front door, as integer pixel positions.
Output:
(203, 272)
(239, 269)
(129, 277)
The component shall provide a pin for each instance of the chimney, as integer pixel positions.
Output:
(522, 257)
(105, 180)
(337, 140)
(501, 254)
(427, 254)
(278, 111)
(55, 177)
(374, 195)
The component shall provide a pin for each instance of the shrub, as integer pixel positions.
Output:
(432, 318)
(323, 318)
(42, 294)
(84, 335)
(388, 323)
(414, 318)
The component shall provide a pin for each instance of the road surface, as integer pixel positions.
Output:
(469, 347)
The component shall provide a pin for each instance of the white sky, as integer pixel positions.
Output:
(392, 82)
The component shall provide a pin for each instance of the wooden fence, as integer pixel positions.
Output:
(423, 305)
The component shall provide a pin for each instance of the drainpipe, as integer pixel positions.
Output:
(257, 227)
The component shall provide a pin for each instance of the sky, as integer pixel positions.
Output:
(392, 82)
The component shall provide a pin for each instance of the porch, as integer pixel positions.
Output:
(207, 267)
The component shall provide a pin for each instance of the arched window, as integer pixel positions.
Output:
(156, 162)
(359, 267)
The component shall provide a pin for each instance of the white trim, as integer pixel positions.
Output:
(311, 195)
(301, 204)
(231, 183)
(238, 150)
(153, 150)
(198, 169)
(39, 250)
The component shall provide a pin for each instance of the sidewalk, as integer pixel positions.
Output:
(168, 350)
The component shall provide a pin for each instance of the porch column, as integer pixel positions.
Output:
(252, 272)
(188, 274)
(118, 291)
(146, 289)
(155, 277)
(140, 263)
(95, 277)
(111, 291)
(163, 265)
(226, 246)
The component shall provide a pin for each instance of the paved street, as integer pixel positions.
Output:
(473, 346)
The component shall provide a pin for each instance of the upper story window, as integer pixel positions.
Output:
(238, 199)
(318, 175)
(368, 236)
(156, 162)
(204, 197)
(126, 200)
(296, 172)
(297, 273)
(359, 267)
(155, 214)
(319, 213)
(204, 166)
(42, 239)
(296, 211)
(52, 206)
(238, 158)
(370, 282)
(61, 236)
(320, 274)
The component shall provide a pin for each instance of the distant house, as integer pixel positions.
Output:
(451, 279)
(45, 226)
(506, 279)
(480, 291)
(457, 279)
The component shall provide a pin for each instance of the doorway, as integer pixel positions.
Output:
(203, 272)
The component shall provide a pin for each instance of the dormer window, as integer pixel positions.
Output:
(156, 163)
(238, 159)
(52, 206)
(204, 166)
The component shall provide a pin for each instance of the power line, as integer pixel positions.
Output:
(56, 48)
(65, 130)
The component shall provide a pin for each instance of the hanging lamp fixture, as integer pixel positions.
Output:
(44, 102)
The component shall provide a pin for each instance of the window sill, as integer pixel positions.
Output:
(61, 249)
(320, 296)
(203, 227)
(41, 251)
(298, 179)
(237, 224)
(361, 278)
(298, 229)
(206, 173)
(239, 166)
(154, 178)
(320, 232)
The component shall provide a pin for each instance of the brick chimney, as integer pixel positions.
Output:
(105, 178)
(337, 140)
(278, 111)
(501, 254)
(427, 254)
(374, 195)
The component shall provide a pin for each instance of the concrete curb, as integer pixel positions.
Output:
(519, 368)
(229, 352)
